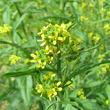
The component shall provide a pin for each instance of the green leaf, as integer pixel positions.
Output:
(80, 34)
(86, 67)
(75, 12)
(92, 83)
(70, 107)
(108, 93)
(19, 73)
(18, 0)
(26, 72)
(16, 24)
(25, 85)
(89, 105)
(6, 15)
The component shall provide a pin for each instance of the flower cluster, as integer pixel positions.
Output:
(90, 5)
(69, 84)
(102, 1)
(77, 41)
(106, 102)
(83, 6)
(107, 29)
(14, 59)
(53, 39)
(81, 94)
(96, 38)
(108, 14)
(5, 29)
(104, 69)
(53, 35)
(24, 40)
(101, 57)
(49, 88)
(84, 19)
(41, 58)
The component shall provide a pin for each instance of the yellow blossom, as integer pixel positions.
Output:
(14, 59)
(49, 76)
(108, 14)
(58, 83)
(104, 69)
(101, 57)
(107, 28)
(84, 5)
(90, 5)
(100, 72)
(84, 19)
(107, 102)
(35, 58)
(24, 40)
(81, 94)
(82, 97)
(102, 10)
(102, 1)
(5, 29)
(90, 34)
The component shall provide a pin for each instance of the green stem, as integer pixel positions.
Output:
(59, 66)
(72, 25)
(20, 14)
(59, 105)
(51, 105)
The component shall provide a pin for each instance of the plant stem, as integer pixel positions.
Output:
(59, 66)
(59, 105)
(20, 14)
(59, 76)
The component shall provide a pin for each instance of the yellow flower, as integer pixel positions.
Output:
(59, 89)
(49, 76)
(5, 29)
(69, 83)
(24, 40)
(84, 19)
(101, 57)
(49, 93)
(41, 64)
(96, 38)
(81, 94)
(106, 102)
(54, 92)
(107, 66)
(108, 13)
(102, 10)
(90, 5)
(102, 1)
(100, 72)
(54, 42)
(107, 29)
(58, 83)
(82, 97)
(104, 69)
(84, 5)
(35, 58)
(90, 34)
(14, 59)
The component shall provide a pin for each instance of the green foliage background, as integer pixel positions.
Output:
(89, 70)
